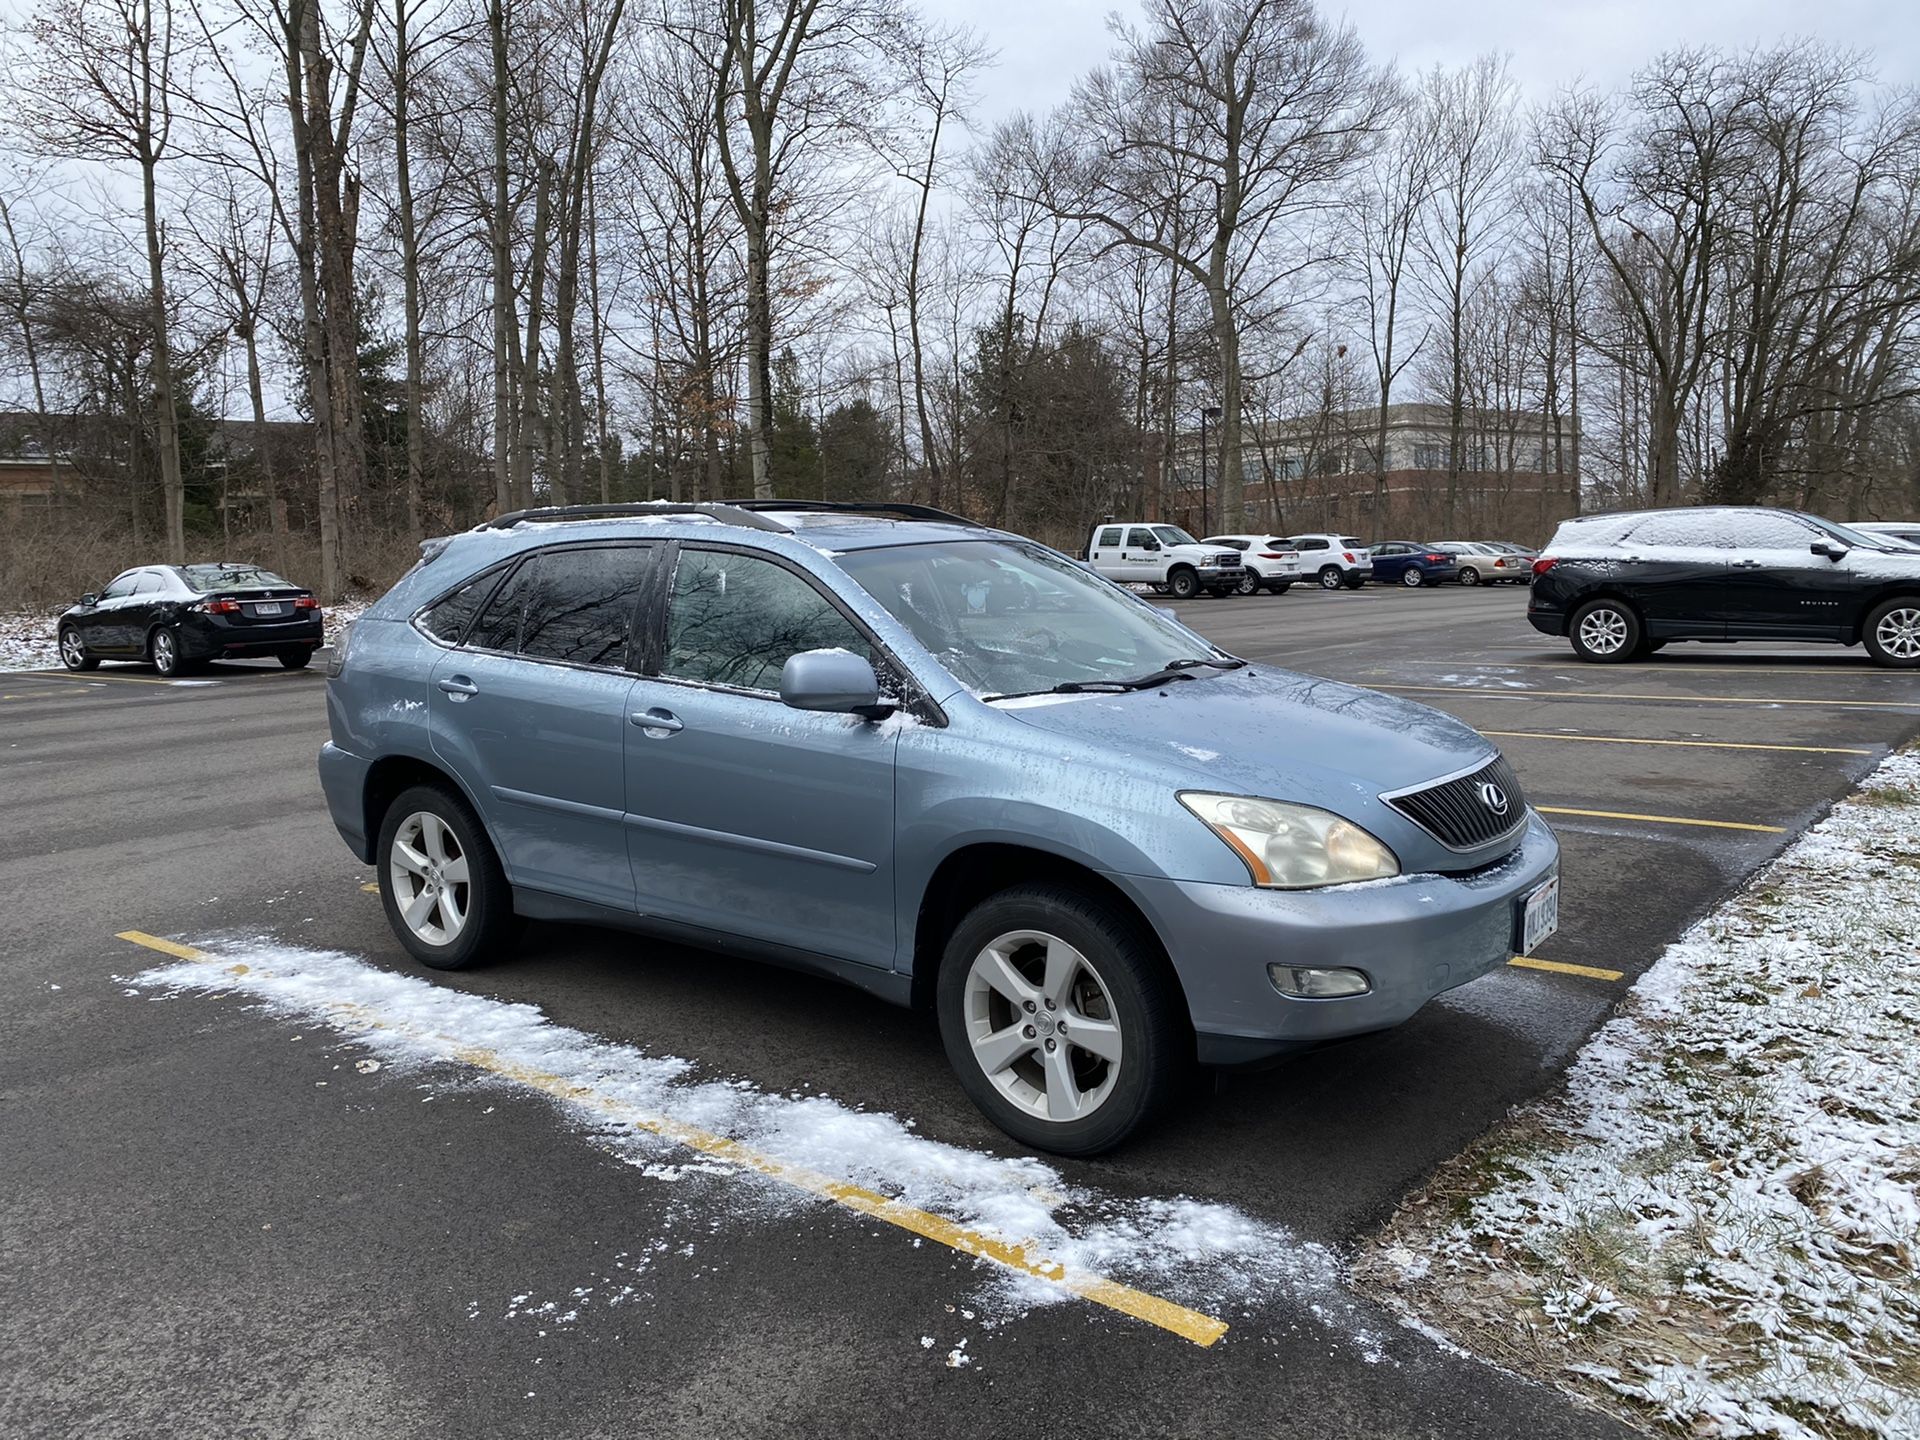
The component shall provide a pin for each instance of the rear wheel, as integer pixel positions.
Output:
(1606, 632)
(1892, 633)
(1183, 583)
(441, 884)
(163, 646)
(73, 651)
(296, 659)
(1060, 1019)
(1331, 578)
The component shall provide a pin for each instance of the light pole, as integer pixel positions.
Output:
(1207, 412)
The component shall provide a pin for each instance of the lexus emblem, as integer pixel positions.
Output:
(1493, 797)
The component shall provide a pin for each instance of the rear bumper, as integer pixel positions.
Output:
(1547, 622)
(1413, 937)
(205, 637)
(343, 779)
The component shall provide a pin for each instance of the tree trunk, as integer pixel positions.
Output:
(502, 237)
(165, 424)
(410, 275)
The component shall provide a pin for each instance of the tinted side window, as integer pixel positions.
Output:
(579, 604)
(1679, 529)
(1311, 544)
(121, 586)
(734, 620)
(1141, 538)
(448, 620)
(1109, 536)
(149, 583)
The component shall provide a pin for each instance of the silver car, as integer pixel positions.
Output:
(936, 761)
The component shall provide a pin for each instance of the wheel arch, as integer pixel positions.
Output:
(1895, 590)
(979, 869)
(387, 777)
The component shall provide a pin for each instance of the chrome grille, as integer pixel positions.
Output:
(1228, 558)
(1457, 813)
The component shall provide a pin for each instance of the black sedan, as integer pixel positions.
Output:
(1620, 586)
(181, 616)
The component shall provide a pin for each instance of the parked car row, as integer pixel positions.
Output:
(1172, 562)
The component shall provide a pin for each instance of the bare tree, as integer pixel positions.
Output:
(104, 74)
(1245, 116)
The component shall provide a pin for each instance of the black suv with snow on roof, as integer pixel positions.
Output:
(1620, 586)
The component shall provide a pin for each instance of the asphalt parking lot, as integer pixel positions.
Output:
(216, 1223)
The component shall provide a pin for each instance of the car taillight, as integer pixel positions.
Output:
(306, 602)
(1499, 564)
(1270, 555)
(1544, 564)
(1437, 559)
(223, 607)
(1348, 556)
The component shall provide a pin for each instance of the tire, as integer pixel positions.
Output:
(163, 648)
(1331, 578)
(1355, 583)
(472, 920)
(1469, 575)
(1116, 968)
(1412, 578)
(296, 659)
(1249, 583)
(1606, 632)
(1279, 587)
(1892, 633)
(1183, 583)
(73, 651)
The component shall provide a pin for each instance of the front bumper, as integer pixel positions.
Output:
(1216, 577)
(1414, 936)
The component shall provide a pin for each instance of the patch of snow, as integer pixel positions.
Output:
(1717, 1223)
(1481, 682)
(1193, 752)
(644, 1108)
(28, 642)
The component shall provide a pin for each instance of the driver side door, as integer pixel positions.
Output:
(1142, 555)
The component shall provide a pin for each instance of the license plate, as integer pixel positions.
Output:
(272, 607)
(1539, 915)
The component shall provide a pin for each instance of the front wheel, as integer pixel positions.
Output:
(1060, 1018)
(1412, 577)
(1892, 633)
(1249, 583)
(73, 651)
(1184, 584)
(1606, 632)
(441, 884)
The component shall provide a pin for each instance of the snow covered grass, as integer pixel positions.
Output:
(1716, 1226)
(768, 1155)
(27, 642)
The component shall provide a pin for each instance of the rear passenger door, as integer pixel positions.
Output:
(1674, 567)
(1105, 556)
(530, 713)
(746, 817)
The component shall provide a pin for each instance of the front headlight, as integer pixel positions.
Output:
(1292, 847)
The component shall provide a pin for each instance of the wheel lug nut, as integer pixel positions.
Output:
(1027, 1030)
(1049, 1004)
(1050, 1045)
(1028, 1006)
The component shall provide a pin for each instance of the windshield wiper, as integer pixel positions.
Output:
(1172, 670)
(1224, 662)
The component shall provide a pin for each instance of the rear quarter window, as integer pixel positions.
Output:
(448, 618)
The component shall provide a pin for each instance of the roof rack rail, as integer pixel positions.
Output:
(554, 514)
(901, 508)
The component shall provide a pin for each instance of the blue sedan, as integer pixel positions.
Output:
(1411, 564)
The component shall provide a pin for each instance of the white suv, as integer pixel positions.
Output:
(1271, 564)
(1334, 560)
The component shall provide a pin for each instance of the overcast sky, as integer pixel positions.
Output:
(1044, 44)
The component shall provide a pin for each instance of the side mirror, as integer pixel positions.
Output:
(89, 599)
(1151, 545)
(1827, 548)
(836, 681)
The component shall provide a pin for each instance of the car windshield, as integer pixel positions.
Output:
(229, 577)
(1860, 537)
(1173, 535)
(1010, 619)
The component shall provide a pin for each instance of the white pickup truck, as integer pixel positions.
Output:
(1165, 557)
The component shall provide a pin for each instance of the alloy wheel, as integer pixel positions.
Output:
(1249, 583)
(1603, 631)
(1899, 633)
(166, 658)
(1331, 579)
(72, 653)
(1413, 577)
(430, 879)
(1469, 576)
(1041, 1024)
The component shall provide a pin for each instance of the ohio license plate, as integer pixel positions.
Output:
(271, 607)
(1539, 915)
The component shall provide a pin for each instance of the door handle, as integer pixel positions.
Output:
(664, 721)
(459, 685)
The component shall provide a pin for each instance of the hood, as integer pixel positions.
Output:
(1267, 732)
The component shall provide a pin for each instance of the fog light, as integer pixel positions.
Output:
(1310, 984)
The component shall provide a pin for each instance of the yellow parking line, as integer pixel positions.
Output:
(372, 887)
(33, 695)
(1687, 744)
(1168, 1315)
(1661, 819)
(91, 679)
(1478, 694)
(1561, 967)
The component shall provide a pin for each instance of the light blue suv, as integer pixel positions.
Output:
(936, 760)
